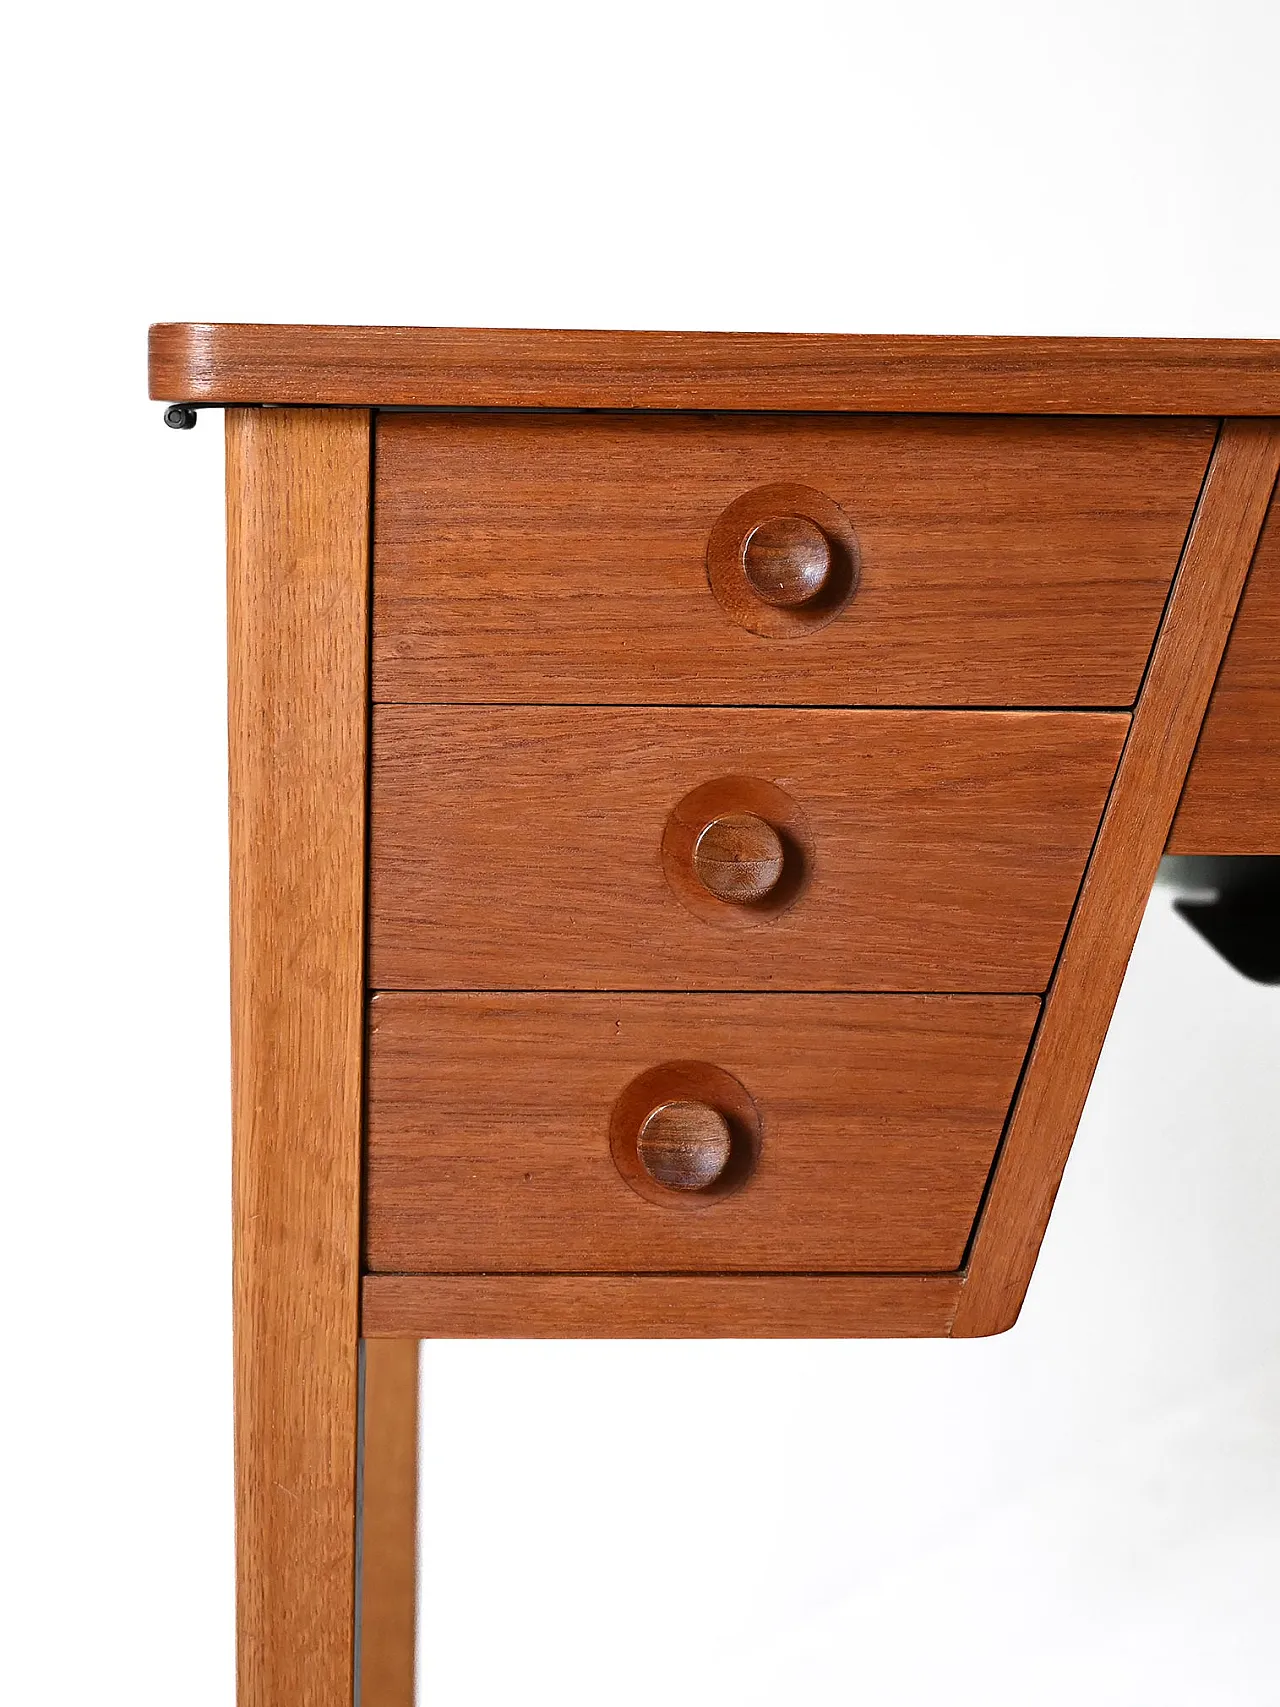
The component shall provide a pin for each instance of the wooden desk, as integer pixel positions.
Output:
(693, 800)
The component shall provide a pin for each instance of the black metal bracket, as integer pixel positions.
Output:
(1234, 904)
(182, 416)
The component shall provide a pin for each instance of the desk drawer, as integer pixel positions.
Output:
(997, 561)
(554, 848)
(496, 1129)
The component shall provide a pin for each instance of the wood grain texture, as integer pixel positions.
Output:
(520, 848)
(1231, 802)
(428, 366)
(297, 545)
(1121, 872)
(534, 558)
(389, 1523)
(639, 1307)
(489, 1130)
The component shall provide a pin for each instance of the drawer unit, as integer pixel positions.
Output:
(503, 1130)
(558, 848)
(771, 838)
(537, 557)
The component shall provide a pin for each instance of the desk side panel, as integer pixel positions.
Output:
(1231, 803)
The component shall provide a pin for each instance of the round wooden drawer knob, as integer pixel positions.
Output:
(739, 857)
(787, 560)
(684, 1145)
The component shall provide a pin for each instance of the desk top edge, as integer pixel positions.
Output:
(461, 367)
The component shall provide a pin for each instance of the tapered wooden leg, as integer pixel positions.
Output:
(389, 1524)
(1120, 874)
(297, 558)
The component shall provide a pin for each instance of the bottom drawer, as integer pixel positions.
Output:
(632, 1133)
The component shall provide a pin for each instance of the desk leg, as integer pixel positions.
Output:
(389, 1523)
(297, 586)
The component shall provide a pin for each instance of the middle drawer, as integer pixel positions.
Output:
(559, 847)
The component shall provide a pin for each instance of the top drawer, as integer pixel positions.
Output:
(986, 561)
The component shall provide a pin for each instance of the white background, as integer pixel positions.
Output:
(1086, 1510)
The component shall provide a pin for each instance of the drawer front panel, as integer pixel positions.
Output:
(523, 848)
(1001, 561)
(490, 1120)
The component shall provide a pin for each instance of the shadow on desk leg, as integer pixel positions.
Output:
(389, 1524)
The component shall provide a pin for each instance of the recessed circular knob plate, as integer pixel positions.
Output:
(783, 560)
(737, 852)
(685, 1134)
(685, 1145)
(787, 560)
(739, 857)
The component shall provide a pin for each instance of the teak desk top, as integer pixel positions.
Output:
(383, 367)
(742, 761)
